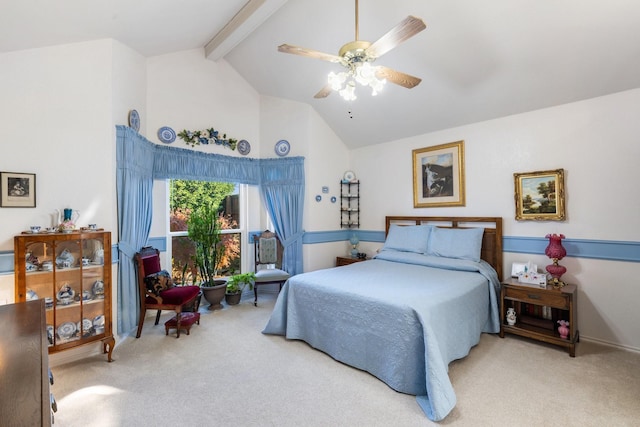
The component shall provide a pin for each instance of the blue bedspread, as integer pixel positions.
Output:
(402, 317)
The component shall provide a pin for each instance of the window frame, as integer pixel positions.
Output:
(243, 220)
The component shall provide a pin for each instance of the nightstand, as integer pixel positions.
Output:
(538, 311)
(340, 261)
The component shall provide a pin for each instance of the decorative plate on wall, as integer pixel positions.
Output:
(282, 148)
(244, 147)
(166, 135)
(134, 120)
(349, 176)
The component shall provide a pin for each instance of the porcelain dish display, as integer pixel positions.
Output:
(98, 289)
(65, 295)
(166, 135)
(134, 120)
(86, 326)
(98, 324)
(349, 176)
(50, 332)
(66, 330)
(244, 147)
(282, 148)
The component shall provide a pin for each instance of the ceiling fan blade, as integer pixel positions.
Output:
(406, 29)
(297, 50)
(324, 92)
(402, 79)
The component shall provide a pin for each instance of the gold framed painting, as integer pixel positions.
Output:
(18, 190)
(540, 195)
(438, 175)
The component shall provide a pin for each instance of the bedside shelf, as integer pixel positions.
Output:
(526, 299)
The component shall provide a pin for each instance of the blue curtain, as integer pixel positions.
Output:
(282, 190)
(140, 161)
(134, 185)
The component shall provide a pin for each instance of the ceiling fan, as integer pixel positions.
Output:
(357, 56)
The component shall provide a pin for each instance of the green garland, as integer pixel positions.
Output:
(206, 137)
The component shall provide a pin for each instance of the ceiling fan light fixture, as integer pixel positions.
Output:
(337, 80)
(363, 73)
(349, 91)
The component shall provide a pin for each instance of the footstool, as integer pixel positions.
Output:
(186, 320)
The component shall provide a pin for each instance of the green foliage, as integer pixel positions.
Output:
(187, 195)
(238, 282)
(204, 230)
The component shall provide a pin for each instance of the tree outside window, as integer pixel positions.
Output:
(184, 197)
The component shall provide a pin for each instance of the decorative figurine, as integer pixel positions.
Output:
(563, 329)
(511, 316)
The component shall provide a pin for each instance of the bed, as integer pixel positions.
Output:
(421, 302)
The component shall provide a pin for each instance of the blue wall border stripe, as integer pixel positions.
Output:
(611, 250)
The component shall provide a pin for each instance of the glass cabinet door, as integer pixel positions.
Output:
(39, 279)
(69, 276)
(67, 288)
(93, 288)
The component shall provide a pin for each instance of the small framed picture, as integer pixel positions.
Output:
(438, 175)
(17, 190)
(540, 195)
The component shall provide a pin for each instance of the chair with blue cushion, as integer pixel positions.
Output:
(157, 291)
(268, 259)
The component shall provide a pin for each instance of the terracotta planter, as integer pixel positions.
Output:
(233, 299)
(215, 294)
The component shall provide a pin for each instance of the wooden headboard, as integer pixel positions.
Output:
(491, 250)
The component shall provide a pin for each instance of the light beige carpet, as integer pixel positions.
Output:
(226, 373)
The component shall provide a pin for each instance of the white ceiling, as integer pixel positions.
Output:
(478, 60)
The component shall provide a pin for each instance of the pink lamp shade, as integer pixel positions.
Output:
(555, 248)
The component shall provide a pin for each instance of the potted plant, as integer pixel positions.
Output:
(235, 286)
(204, 231)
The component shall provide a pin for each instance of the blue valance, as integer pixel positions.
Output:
(181, 163)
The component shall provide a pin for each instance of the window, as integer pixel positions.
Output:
(186, 196)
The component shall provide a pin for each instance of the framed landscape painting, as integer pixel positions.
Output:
(18, 190)
(438, 175)
(540, 195)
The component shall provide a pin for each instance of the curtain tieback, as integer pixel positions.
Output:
(126, 249)
(291, 240)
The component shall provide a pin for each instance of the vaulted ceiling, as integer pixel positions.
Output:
(477, 60)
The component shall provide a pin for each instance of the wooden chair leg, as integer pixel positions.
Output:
(158, 316)
(141, 322)
(178, 316)
(255, 292)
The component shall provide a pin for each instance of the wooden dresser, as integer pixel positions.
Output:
(24, 365)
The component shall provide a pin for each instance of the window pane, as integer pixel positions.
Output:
(186, 196)
(183, 251)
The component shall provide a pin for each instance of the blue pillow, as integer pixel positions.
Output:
(462, 243)
(408, 238)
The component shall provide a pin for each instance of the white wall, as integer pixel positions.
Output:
(326, 159)
(58, 112)
(594, 141)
